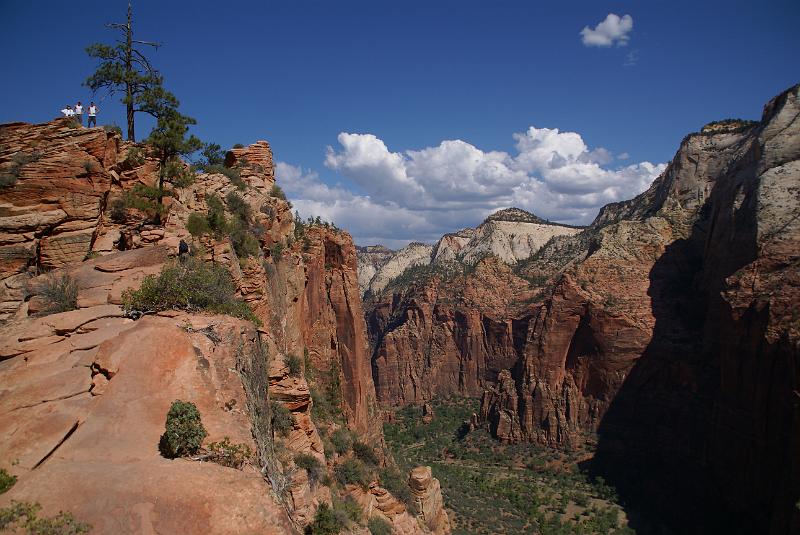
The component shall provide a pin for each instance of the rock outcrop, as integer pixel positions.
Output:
(427, 495)
(65, 376)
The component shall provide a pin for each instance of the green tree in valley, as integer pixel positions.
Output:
(124, 68)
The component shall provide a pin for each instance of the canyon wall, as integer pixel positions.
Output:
(668, 330)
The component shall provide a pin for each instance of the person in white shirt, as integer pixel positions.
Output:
(79, 112)
(67, 111)
(92, 115)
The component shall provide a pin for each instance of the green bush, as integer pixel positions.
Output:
(232, 173)
(212, 154)
(238, 146)
(244, 241)
(6, 480)
(237, 206)
(184, 430)
(353, 472)
(60, 293)
(217, 221)
(311, 465)
(189, 285)
(113, 128)
(342, 440)
(197, 224)
(348, 508)
(18, 161)
(229, 454)
(281, 418)
(378, 526)
(276, 251)
(21, 516)
(294, 364)
(118, 212)
(365, 453)
(392, 480)
(276, 191)
(325, 522)
(134, 157)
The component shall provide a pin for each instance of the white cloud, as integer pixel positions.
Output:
(422, 194)
(613, 30)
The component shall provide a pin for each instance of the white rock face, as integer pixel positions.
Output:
(413, 254)
(511, 241)
(511, 235)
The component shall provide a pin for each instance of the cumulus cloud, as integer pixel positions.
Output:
(613, 30)
(422, 194)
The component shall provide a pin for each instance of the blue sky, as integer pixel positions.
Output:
(420, 102)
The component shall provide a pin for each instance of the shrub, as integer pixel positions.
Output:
(88, 166)
(365, 453)
(232, 173)
(276, 251)
(189, 285)
(184, 430)
(342, 440)
(282, 420)
(229, 454)
(18, 161)
(238, 146)
(213, 154)
(23, 516)
(6, 480)
(146, 199)
(294, 364)
(378, 526)
(216, 215)
(197, 224)
(276, 191)
(392, 480)
(325, 522)
(244, 242)
(238, 206)
(310, 464)
(352, 472)
(118, 212)
(179, 174)
(348, 508)
(113, 128)
(134, 157)
(60, 293)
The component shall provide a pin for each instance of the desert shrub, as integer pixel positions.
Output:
(276, 191)
(179, 174)
(294, 364)
(184, 430)
(134, 157)
(18, 161)
(238, 146)
(311, 465)
(342, 440)
(217, 221)
(113, 128)
(378, 526)
(237, 206)
(276, 251)
(22, 517)
(244, 241)
(6, 480)
(352, 472)
(325, 522)
(197, 224)
(212, 154)
(189, 285)
(60, 293)
(365, 453)
(146, 199)
(282, 420)
(118, 212)
(232, 173)
(88, 166)
(347, 509)
(229, 454)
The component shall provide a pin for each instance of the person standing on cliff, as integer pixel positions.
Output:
(79, 113)
(92, 115)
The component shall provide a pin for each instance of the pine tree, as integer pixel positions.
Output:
(123, 67)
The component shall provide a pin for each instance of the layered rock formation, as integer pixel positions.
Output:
(86, 392)
(669, 327)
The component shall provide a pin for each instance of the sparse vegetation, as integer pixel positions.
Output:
(22, 517)
(189, 285)
(277, 192)
(342, 440)
(18, 161)
(184, 430)
(365, 453)
(59, 292)
(282, 420)
(294, 364)
(311, 465)
(326, 522)
(134, 157)
(352, 472)
(378, 526)
(6, 480)
(197, 224)
(532, 489)
(113, 128)
(229, 454)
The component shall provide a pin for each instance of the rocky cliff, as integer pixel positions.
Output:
(85, 392)
(669, 327)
